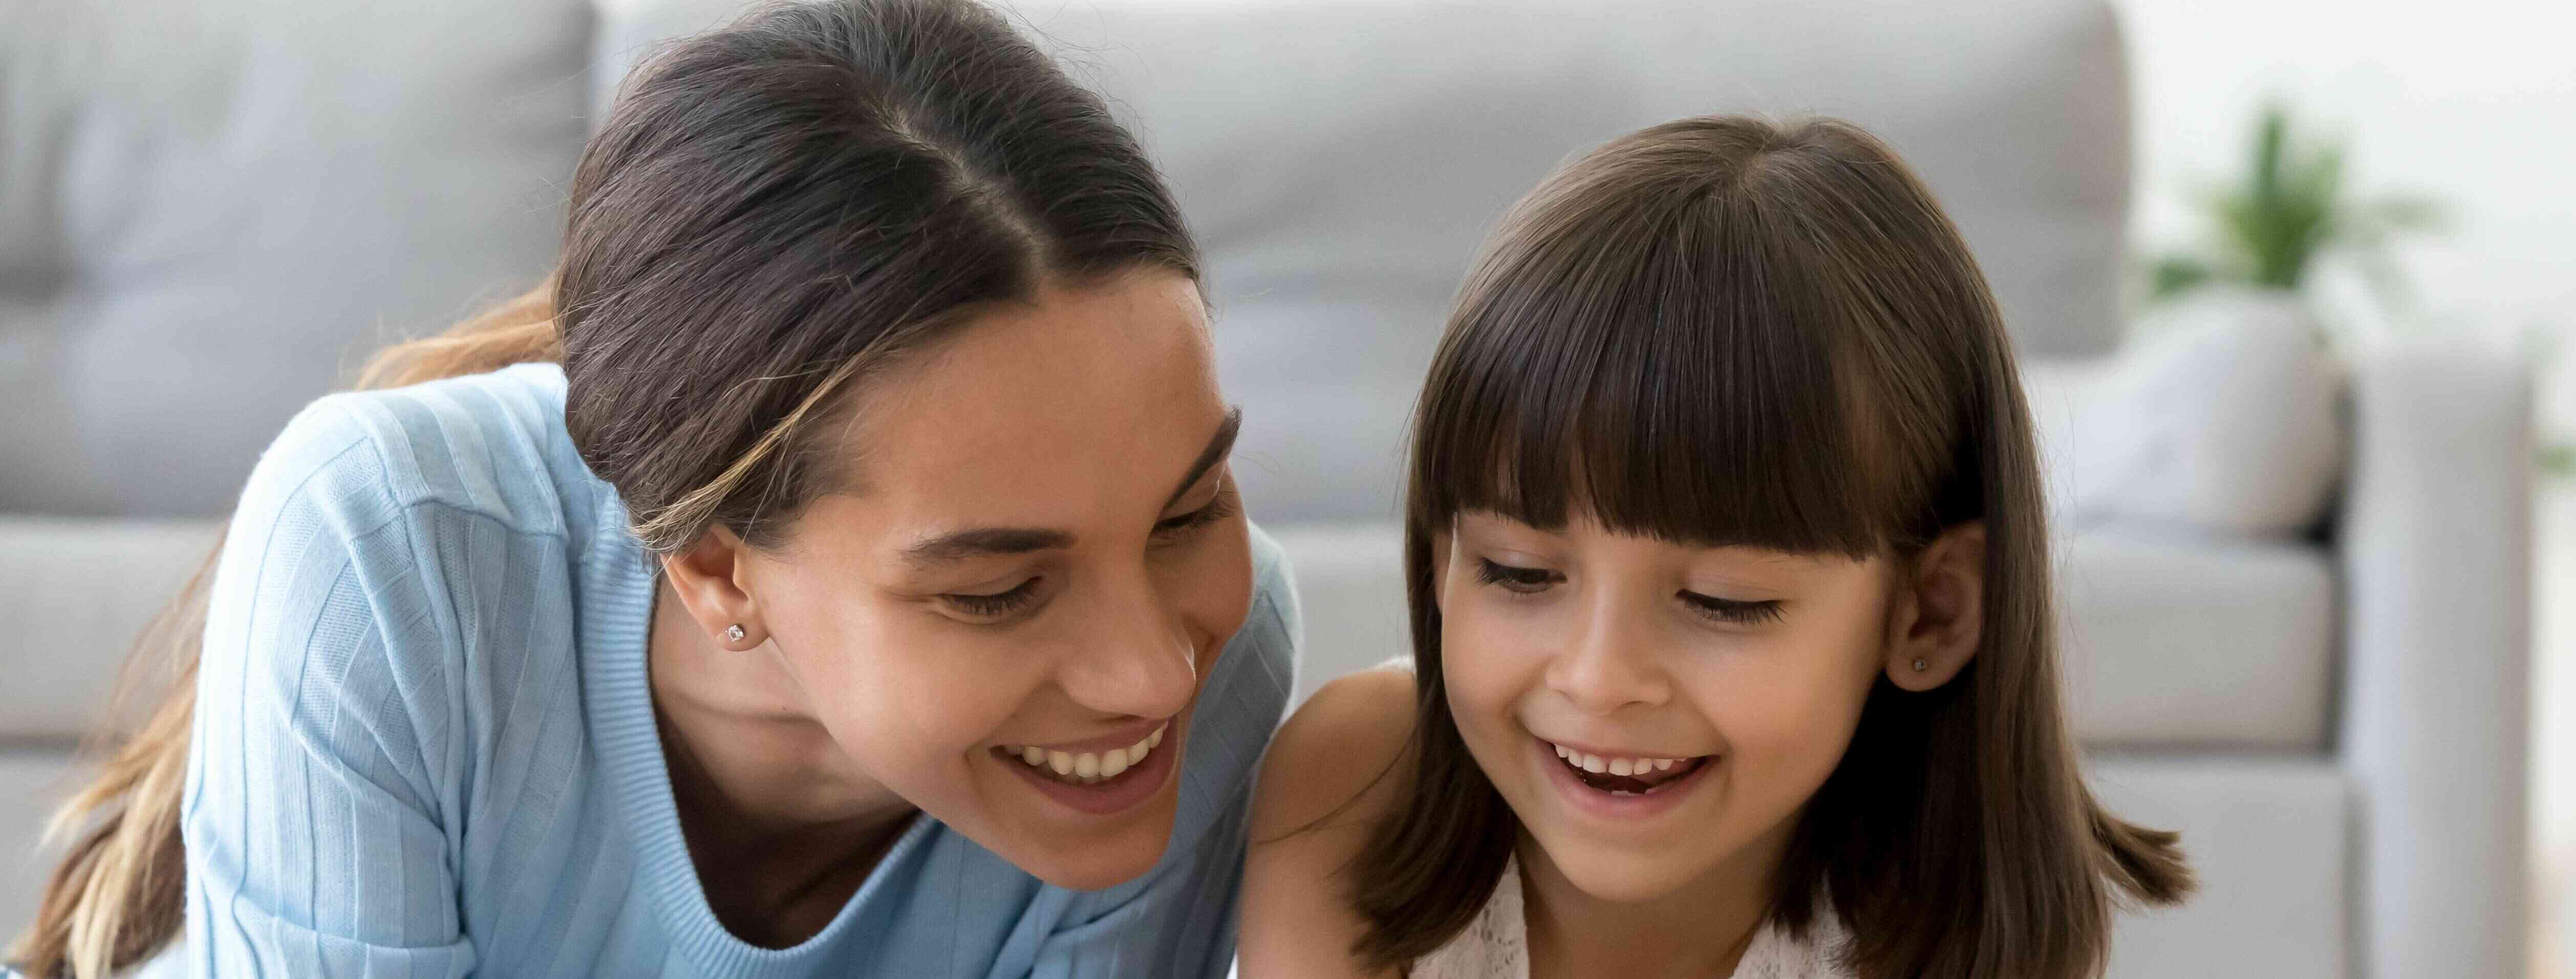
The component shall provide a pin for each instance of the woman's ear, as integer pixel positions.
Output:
(1938, 613)
(710, 578)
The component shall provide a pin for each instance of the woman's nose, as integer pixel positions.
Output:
(1136, 661)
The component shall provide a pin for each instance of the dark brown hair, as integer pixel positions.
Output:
(1730, 331)
(771, 211)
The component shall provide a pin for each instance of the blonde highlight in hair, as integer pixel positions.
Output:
(676, 525)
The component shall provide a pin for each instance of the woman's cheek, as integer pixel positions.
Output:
(911, 699)
(1212, 585)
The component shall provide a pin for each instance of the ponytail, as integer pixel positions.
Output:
(120, 893)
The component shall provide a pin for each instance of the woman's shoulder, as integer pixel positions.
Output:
(489, 445)
(390, 536)
(1340, 758)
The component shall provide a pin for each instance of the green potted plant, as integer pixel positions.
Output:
(2291, 205)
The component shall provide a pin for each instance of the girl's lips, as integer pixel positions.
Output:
(1587, 800)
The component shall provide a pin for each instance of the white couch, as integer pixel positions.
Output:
(2295, 600)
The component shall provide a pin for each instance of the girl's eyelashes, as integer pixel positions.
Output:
(1532, 580)
(1175, 528)
(994, 606)
(1514, 578)
(1731, 611)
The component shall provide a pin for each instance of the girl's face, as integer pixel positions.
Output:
(1654, 713)
(1041, 559)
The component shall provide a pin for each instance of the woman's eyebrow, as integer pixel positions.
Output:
(985, 542)
(977, 542)
(1218, 446)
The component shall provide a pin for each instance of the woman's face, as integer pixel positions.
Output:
(1041, 557)
(1654, 713)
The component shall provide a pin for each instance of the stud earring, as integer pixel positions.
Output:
(733, 633)
(1920, 665)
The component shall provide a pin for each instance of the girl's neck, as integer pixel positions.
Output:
(1699, 930)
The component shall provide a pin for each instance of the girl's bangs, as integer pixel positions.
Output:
(1672, 389)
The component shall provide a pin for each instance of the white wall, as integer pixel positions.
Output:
(2469, 101)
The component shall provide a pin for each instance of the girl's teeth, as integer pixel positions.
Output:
(1598, 765)
(1088, 767)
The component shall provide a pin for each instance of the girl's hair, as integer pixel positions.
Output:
(772, 211)
(1730, 331)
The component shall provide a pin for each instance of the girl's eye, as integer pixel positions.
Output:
(995, 605)
(1511, 578)
(1730, 611)
(1175, 528)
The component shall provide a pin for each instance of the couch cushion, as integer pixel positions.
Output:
(2222, 416)
(2268, 839)
(209, 207)
(2166, 641)
(1341, 161)
(2174, 640)
(77, 593)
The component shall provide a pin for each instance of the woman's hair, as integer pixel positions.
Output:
(1726, 331)
(772, 211)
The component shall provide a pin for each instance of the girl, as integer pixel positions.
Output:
(846, 580)
(1730, 611)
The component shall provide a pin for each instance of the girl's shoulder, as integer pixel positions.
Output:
(1339, 759)
(1333, 772)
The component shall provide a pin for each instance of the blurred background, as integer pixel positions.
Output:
(2292, 280)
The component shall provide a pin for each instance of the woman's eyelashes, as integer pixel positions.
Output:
(994, 607)
(1176, 528)
(1528, 581)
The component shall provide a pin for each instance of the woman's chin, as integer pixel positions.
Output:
(1097, 862)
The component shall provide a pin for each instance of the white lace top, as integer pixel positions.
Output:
(1496, 945)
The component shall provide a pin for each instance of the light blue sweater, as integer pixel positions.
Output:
(425, 745)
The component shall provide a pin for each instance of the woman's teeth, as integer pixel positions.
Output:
(1088, 768)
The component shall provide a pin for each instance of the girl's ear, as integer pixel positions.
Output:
(1938, 612)
(711, 578)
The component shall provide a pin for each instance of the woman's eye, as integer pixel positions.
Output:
(994, 605)
(1174, 528)
(1512, 578)
(1731, 611)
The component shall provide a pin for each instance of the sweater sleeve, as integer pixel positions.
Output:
(317, 807)
(1179, 919)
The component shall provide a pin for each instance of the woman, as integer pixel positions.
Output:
(864, 593)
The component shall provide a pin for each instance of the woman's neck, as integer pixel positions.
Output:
(782, 828)
(1699, 930)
